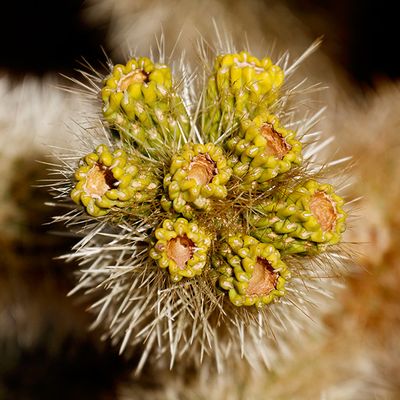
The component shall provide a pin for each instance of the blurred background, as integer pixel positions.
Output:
(46, 350)
(47, 36)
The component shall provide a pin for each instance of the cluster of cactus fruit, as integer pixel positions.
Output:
(221, 193)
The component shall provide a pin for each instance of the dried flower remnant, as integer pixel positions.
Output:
(264, 279)
(202, 169)
(323, 210)
(276, 144)
(136, 76)
(99, 180)
(180, 250)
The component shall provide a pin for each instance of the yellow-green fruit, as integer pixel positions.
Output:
(307, 220)
(181, 247)
(106, 179)
(251, 272)
(262, 149)
(140, 102)
(198, 174)
(240, 85)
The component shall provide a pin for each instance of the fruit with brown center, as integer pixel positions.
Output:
(181, 247)
(140, 102)
(252, 272)
(107, 179)
(262, 150)
(198, 174)
(307, 220)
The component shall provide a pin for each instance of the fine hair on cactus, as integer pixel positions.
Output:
(208, 228)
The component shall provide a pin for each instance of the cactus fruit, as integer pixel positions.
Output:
(262, 149)
(181, 247)
(197, 175)
(251, 272)
(308, 220)
(108, 179)
(240, 85)
(140, 102)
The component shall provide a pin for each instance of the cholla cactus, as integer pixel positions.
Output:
(172, 205)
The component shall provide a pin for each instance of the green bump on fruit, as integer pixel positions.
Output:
(140, 102)
(198, 173)
(308, 220)
(240, 85)
(106, 179)
(182, 247)
(251, 272)
(263, 149)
